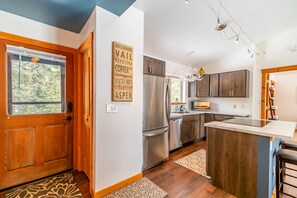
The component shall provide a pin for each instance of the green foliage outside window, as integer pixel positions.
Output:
(175, 90)
(38, 85)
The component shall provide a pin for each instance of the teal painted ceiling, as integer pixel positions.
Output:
(66, 14)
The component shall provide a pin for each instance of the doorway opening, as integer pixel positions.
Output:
(279, 93)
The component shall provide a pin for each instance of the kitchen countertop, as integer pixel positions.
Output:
(277, 129)
(174, 115)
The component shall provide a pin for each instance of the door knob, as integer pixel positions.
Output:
(69, 118)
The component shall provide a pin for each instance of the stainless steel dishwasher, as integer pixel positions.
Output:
(175, 133)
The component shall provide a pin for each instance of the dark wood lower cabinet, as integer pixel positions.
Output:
(232, 161)
(191, 128)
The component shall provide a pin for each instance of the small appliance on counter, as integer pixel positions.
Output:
(200, 105)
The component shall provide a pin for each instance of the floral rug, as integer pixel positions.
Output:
(195, 162)
(62, 186)
(143, 188)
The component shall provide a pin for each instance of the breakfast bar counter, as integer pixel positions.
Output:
(241, 155)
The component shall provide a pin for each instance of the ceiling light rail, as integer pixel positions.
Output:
(237, 35)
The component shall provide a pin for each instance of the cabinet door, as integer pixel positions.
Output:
(153, 66)
(187, 131)
(157, 67)
(202, 86)
(214, 85)
(202, 133)
(239, 83)
(225, 84)
(192, 89)
(222, 117)
(209, 118)
(146, 65)
(196, 127)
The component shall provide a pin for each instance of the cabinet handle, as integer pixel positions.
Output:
(232, 93)
(151, 69)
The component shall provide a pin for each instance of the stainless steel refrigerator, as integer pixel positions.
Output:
(156, 112)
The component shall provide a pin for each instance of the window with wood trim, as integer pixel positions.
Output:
(36, 82)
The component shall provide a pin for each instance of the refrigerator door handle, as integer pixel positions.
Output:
(167, 102)
(147, 134)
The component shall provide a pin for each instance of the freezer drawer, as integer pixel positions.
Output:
(155, 147)
(175, 133)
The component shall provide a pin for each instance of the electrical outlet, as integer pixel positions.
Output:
(111, 108)
(242, 106)
(234, 106)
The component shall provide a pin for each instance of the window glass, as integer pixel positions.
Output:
(36, 84)
(177, 89)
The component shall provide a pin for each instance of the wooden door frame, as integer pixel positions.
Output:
(264, 87)
(78, 131)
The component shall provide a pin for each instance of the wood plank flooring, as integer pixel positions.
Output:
(83, 183)
(180, 182)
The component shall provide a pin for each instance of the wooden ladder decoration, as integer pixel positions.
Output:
(272, 108)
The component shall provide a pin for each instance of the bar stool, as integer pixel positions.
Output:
(287, 144)
(284, 156)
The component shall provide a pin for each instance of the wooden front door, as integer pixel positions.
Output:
(36, 131)
(85, 57)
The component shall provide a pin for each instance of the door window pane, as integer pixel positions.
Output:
(36, 82)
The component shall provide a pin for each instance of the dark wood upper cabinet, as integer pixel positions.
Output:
(240, 84)
(202, 86)
(214, 85)
(233, 84)
(152, 66)
(225, 84)
(228, 84)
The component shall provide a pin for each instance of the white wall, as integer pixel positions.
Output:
(237, 61)
(286, 95)
(277, 54)
(118, 135)
(21, 26)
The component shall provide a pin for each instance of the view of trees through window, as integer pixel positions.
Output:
(35, 87)
(176, 91)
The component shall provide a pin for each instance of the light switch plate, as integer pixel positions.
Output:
(111, 108)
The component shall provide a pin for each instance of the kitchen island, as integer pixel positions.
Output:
(241, 157)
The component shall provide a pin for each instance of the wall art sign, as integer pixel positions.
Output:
(122, 72)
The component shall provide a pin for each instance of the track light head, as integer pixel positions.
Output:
(237, 39)
(220, 25)
(187, 2)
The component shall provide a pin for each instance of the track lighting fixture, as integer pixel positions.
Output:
(244, 37)
(220, 26)
(237, 39)
(187, 2)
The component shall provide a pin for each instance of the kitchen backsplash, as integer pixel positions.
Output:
(242, 105)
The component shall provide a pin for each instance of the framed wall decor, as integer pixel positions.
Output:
(122, 72)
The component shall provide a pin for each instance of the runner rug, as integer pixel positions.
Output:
(62, 185)
(143, 188)
(195, 162)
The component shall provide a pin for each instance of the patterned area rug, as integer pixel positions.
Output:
(57, 186)
(195, 162)
(143, 188)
